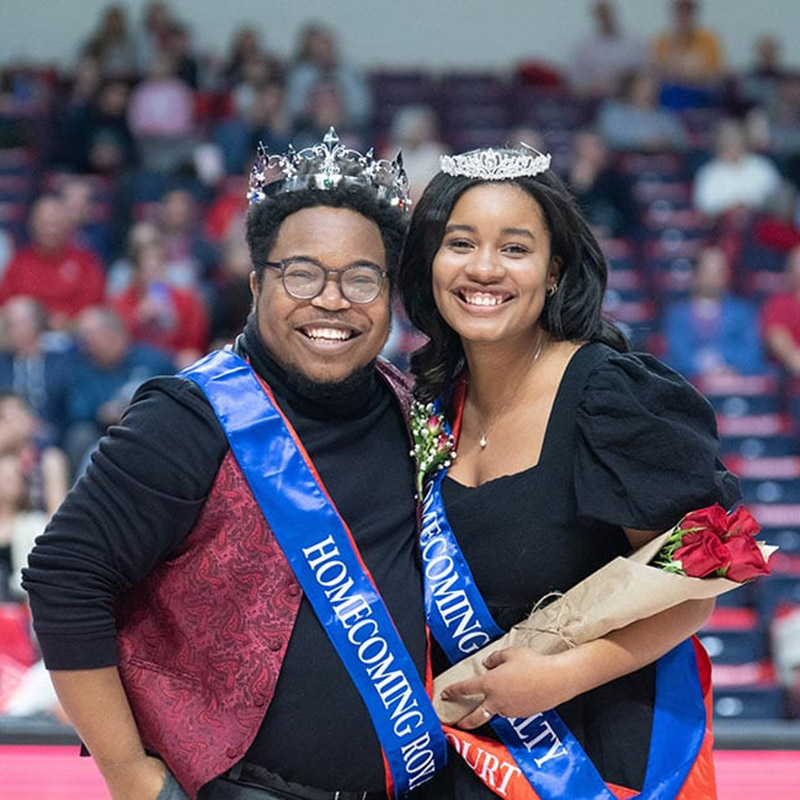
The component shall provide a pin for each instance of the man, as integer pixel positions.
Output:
(781, 318)
(108, 369)
(36, 369)
(62, 277)
(191, 258)
(687, 54)
(601, 58)
(736, 179)
(215, 660)
(713, 333)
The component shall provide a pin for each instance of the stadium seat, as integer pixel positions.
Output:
(757, 435)
(472, 89)
(780, 525)
(740, 395)
(17, 160)
(746, 646)
(764, 701)
(775, 590)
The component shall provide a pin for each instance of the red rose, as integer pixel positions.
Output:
(741, 523)
(701, 553)
(712, 518)
(746, 559)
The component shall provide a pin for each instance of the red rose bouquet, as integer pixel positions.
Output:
(707, 553)
(710, 542)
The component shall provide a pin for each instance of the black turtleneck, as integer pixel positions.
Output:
(140, 497)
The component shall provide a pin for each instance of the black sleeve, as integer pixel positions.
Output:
(138, 499)
(646, 447)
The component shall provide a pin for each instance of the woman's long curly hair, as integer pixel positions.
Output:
(574, 312)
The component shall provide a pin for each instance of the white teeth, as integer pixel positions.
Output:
(329, 334)
(482, 299)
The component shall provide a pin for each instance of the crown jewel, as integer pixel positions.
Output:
(325, 166)
(497, 165)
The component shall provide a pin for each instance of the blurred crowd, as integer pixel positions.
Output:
(122, 183)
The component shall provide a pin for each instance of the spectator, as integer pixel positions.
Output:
(602, 193)
(152, 37)
(120, 275)
(247, 49)
(245, 46)
(713, 332)
(781, 319)
(600, 60)
(112, 45)
(232, 294)
(179, 47)
(161, 118)
(108, 369)
(6, 250)
(109, 142)
(783, 120)
(74, 115)
(190, 258)
(318, 62)
(19, 526)
(414, 133)
(228, 207)
(634, 121)
(43, 466)
(688, 54)
(326, 109)
(160, 314)
(760, 83)
(78, 197)
(264, 120)
(62, 277)
(38, 373)
(257, 72)
(735, 178)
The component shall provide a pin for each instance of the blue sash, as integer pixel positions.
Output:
(320, 549)
(546, 752)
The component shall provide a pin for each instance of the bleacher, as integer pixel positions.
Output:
(759, 435)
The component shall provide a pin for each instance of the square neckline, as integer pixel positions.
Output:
(555, 410)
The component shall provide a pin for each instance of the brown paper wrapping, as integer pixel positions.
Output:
(619, 593)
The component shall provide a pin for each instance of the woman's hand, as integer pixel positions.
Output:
(519, 683)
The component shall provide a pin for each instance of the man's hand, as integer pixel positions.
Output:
(142, 779)
(519, 683)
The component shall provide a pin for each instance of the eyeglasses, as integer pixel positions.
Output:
(305, 279)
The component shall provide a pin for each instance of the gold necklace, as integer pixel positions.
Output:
(484, 440)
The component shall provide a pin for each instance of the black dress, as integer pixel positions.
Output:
(629, 443)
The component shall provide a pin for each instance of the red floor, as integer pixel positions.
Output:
(56, 773)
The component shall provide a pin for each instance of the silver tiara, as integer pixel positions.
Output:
(497, 165)
(326, 166)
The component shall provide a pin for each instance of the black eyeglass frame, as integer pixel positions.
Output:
(337, 274)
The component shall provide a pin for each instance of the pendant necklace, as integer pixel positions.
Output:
(484, 440)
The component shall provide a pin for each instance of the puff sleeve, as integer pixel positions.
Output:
(646, 448)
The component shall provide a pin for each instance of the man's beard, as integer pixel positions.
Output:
(353, 387)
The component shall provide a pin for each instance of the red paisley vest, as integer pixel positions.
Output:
(202, 638)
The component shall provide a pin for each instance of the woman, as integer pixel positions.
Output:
(43, 466)
(19, 526)
(570, 450)
(158, 313)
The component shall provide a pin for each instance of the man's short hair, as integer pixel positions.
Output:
(264, 220)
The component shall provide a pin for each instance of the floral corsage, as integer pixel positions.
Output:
(434, 448)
